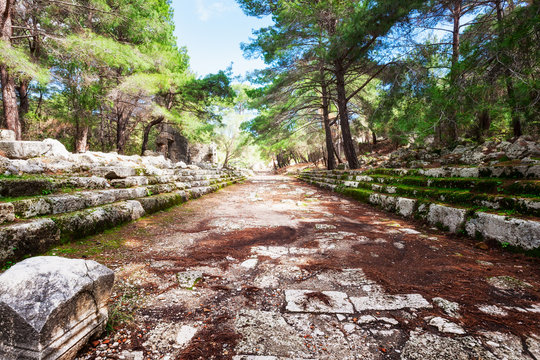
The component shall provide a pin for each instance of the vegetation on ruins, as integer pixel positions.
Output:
(360, 70)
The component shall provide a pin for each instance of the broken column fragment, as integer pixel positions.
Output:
(51, 306)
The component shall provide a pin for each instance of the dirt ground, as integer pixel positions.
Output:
(277, 269)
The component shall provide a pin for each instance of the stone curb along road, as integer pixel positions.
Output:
(277, 269)
(523, 234)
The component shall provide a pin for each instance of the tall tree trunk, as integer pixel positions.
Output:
(331, 161)
(9, 96)
(511, 95)
(81, 137)
(449, 128)
(121, 133)
(24, 103)
(348, 144)
(147, 130)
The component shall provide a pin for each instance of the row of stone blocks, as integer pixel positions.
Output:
(507, 172)
(61, 203)
(520, 233)
(38, 235)
(526, 205)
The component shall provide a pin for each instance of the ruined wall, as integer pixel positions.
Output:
(499, 203)
(48, 194)
(172, 144)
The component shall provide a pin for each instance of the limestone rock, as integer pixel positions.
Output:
(7, 212)
(446, 217)
(389, 302)
(516, 232)
(115, 172)
(56, 149)
(521, 148)
(7, 135)
(22, 239)
(23, 149)
(427, 346)
(51, 306)
(446, 326)
(188, 279)
(449, 307)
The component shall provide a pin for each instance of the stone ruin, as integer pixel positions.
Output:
(174, 146)
(51, 306)
(56, 195)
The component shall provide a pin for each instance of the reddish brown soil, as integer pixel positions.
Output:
(446, 267)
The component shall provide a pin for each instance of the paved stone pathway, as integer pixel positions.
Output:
(276, 269)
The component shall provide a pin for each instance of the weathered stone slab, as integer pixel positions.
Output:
(7, 212)
(115, 172)
(379, 302)
(56, 150)
(18, 240)
(91, 221)
(23, 149)
(331, 302)
(447, 217)
(426, 346)
(51, 306)
(7, 135)
(516, 232)
(405, 207)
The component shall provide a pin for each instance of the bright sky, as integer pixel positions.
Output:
(212, 31)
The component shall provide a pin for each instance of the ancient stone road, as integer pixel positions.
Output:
(276, 269)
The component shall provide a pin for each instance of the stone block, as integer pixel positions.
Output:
(33, 237)
(56, 149)
(447, 217)
(7, 135)
(405, 207)
(380, 302)
(51, 306)
(7, 212)
(115, 172)
(92, 221)
(23, 149)
(24, 187)
(517, 232)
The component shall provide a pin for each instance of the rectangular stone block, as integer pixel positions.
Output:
(51, 306)
(7, 212)
(517, 232)
(18, 240)
(448, 217)
(23, 149)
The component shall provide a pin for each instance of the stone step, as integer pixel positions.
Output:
(15, 186)
(511, 231)
(507, 172)
(522, 205)
(20, 186)
(35, 236)
(58, 204)
(478, 185)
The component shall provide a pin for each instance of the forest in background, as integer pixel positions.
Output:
(437, 72)
(103, 75)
